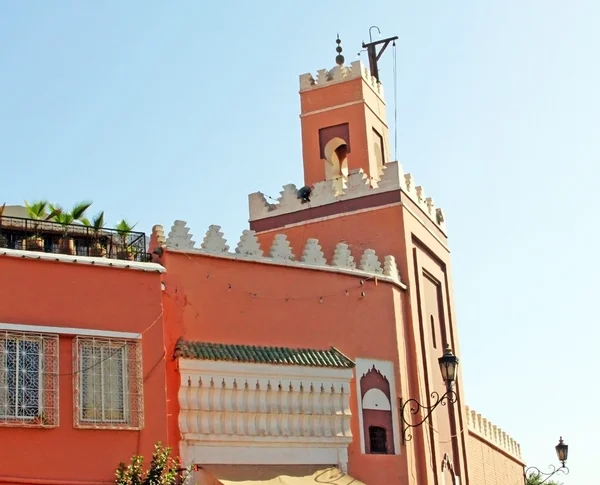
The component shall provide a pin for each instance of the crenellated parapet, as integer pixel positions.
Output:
(280, 251)
(357, 185)
(483, 428)
(338, 74)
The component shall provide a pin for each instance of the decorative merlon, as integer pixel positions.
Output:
(214, 242)
(342, 257)
(339, 74)
(179, 236)
(492, 433)
(311, 255)
(357, 185)
(159, 233)
(249, 245)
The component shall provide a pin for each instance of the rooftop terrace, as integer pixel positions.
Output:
(19, 232)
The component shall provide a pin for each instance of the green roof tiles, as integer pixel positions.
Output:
(262, 355)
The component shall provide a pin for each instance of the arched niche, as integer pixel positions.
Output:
(336, 161)
(378, 427)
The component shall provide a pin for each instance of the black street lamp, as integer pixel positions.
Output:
(448, 367)
(562, 452)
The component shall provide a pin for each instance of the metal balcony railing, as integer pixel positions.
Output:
(74, 239)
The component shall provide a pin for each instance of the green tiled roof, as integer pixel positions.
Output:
(262, 355)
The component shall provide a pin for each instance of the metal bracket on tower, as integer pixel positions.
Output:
(374, 56)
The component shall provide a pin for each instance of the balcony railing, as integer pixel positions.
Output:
(74, 239)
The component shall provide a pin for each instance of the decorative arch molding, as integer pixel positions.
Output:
(376, 400)
(378, 413)
(336, 162)
(448, 469)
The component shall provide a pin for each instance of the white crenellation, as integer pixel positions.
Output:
(322, 193)
(493, 434)
(249, 245)
(281, 249)
(370, 262)
(339, 74)
(342, 257)
(390, 268)
(159, 234)
(356, 184)
(289, 195)
(313, 254)
(179, 236)
(214, 242)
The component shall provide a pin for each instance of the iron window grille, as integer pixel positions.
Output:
(108, 383)
(28, 379)
(378, 440)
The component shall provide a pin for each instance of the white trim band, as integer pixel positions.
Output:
(86, 332)
(92, 261)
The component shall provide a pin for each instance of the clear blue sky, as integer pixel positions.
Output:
(177, 110)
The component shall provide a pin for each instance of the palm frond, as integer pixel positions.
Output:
(79, 209)
(37, 210)
(98, 221)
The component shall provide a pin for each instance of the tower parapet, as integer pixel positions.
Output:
(358, 185)
(340, 74)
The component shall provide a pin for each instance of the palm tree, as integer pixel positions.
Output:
(37, 211)
(65, 219)
(124, 228)
(96, 225)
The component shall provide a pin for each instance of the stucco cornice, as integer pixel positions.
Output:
(85, 260)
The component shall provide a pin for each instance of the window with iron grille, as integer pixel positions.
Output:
(378, 440)
(28, 379)
(108, 383)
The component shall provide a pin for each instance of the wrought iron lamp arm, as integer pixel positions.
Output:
(414, 406)
(562, 469)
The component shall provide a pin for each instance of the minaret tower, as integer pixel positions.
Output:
(354, 192)
(343, 120)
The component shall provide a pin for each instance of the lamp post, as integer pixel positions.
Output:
(448, 367)
(562, 452)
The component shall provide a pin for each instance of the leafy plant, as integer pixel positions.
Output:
(164, 470)
(65, 218)
(96, 224)
(123, 229)
(38, 210)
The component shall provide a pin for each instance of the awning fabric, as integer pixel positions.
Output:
(275, 475)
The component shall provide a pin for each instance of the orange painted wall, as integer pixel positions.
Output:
(225, 301)
(490, 466)
(45, 293)
(401, 230)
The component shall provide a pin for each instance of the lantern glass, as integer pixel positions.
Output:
(562, 450)
(448, 366)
